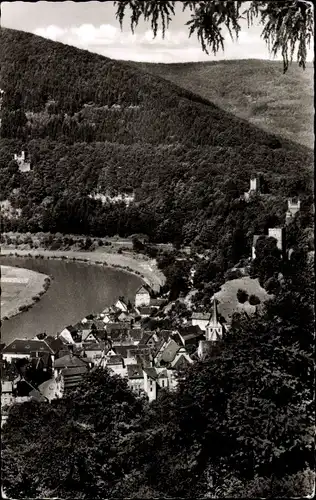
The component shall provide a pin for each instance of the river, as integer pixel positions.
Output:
(76, 289)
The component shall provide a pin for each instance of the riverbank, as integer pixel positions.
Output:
(126, 261)
(20, 289)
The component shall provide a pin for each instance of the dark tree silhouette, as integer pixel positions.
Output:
(288, 25)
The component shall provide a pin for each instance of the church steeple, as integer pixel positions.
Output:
(214, 329)
(214, 317)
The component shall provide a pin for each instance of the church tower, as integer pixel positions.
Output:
(214, 329)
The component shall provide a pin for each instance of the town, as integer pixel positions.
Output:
(46, 367)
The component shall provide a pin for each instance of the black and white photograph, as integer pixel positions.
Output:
(157, 249)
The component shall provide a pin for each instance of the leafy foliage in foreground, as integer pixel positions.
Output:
(287, 25)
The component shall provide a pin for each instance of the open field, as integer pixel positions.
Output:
(18, 289)
(227, 296)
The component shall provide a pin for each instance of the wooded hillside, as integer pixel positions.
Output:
(90, 123)
(256, 90)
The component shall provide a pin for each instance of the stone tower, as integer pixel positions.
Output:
(254, 188)
(279, 234)
(293, 206)
(254, 184)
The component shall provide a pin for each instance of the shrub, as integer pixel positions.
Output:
(242, 296)
(254, 300)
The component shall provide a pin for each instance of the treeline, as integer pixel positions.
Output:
(183, 195)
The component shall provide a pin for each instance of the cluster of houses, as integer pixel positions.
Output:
(127, 196)
(46, 367)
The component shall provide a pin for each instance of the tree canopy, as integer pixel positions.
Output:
(288, 25)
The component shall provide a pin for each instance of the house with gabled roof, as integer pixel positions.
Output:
(150, 376)
(121, 304)
(155, 379)
(91, 326)
(135, 378)
(143, 296)
(177, 338)
(191, 334)
(125, 353)
(25, 348)
(149, 338)
(56, 344)
(95, 351)
(69, 335)
(127, 318)
(115, 365)
(50, 389)
(89, 336)
(67, 361)
(181, 360)
(200, 319)
(168, 352)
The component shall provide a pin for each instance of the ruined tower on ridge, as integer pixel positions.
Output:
(293, 207)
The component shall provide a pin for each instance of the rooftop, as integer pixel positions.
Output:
(201, 316)
(189, 330)
(74, 370)
(96, 346)
(170, 351)
(55, 344)
(115, 360)
(143, 289)
(134, 371)
(146, 310)
(69, 361)
(26, 346)
(151, 372)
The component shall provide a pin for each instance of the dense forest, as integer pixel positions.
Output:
(91, 124)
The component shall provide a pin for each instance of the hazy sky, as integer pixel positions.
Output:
(93, 26)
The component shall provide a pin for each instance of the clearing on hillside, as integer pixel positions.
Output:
(227, 296)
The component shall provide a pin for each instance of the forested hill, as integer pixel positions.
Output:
(253, 89)
(90, 123)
